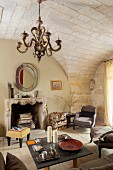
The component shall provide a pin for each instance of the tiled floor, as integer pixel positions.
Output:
(24, 154)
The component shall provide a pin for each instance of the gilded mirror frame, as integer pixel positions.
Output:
(35, 76)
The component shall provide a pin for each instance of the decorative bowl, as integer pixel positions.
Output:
(70, 144)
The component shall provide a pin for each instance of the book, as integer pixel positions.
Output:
(19, 126)
(24, 120)
(24, 115)
(37, 147)
(16, 128)
(31, 142)
(37, 140)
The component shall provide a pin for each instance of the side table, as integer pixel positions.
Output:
(18, 134)
(68, 117)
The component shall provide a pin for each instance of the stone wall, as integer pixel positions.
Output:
(80, 87)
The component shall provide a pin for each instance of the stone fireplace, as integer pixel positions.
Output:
(16, 106)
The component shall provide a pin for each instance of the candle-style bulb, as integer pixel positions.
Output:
(49, 134)
(55, 136)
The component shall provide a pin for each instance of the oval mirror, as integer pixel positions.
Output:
(26, 77)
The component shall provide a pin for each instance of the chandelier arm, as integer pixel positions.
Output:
(29, 44)
(45, 43)
(57, 49)
(18, 48)
(43, 30)
(32, 31)
(48, 52)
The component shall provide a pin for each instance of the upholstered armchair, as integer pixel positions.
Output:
(86, 117)
(105, 141)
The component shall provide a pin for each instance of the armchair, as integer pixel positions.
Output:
(105, 141)
(86, 117)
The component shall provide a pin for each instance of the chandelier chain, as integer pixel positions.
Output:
(39, 11)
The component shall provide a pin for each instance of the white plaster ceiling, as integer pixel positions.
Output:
(84, 26)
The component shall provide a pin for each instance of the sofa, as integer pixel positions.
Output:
(105, 163)
(11, 163)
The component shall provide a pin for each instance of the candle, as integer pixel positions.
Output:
(55, 137)
(49, 134)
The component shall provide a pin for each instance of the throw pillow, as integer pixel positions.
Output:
(108, 137)
(2, 162)
(105, 167)
(13, 163)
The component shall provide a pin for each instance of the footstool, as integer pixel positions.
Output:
(18, 134)
(102, 136)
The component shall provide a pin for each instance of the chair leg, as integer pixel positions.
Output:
(91, 139)
(99, 150)
(8, 140)
(28, 136)
(20, 141)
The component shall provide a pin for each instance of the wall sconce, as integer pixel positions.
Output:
(92, 84)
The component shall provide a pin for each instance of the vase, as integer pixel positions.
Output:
(36, 93)
(12, 92)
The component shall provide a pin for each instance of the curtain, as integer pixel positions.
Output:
(108, 117)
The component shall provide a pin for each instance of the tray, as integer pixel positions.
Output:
(48, 158)
(70, 144)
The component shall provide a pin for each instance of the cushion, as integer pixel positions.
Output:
(2, 163)
(86, 114)
(13, 163)
(105, 167)
(83, 121)
(108, 137)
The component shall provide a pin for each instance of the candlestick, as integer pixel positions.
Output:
(55, 137)
(49, 134)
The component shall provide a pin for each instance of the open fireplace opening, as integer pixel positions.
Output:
(36, 116)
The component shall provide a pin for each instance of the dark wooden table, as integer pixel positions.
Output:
(64, 155)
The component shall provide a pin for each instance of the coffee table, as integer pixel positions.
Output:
(64, 155)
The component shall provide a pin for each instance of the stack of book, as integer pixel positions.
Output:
(25, 119)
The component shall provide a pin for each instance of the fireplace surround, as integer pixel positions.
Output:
(37, 107)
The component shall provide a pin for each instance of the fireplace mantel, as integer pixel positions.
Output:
(21, 101)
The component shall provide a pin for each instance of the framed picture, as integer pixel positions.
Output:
(56, 85)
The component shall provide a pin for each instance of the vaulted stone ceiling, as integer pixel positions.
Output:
(84, 26)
